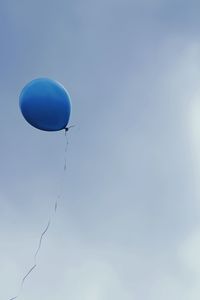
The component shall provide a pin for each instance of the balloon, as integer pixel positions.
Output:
(45, 104)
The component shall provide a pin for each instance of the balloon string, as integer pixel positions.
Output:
(47, 226)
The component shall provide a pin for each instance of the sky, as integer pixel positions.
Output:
(128, 222)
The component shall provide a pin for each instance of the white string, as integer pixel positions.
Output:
(59, 196)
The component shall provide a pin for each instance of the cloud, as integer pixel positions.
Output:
(127, 225)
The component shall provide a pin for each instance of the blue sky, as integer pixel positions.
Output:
(128, 224)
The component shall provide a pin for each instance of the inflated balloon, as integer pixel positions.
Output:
(45, 104)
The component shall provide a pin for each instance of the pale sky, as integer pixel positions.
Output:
(128, 224)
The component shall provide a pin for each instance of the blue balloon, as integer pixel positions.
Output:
(45, 104)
